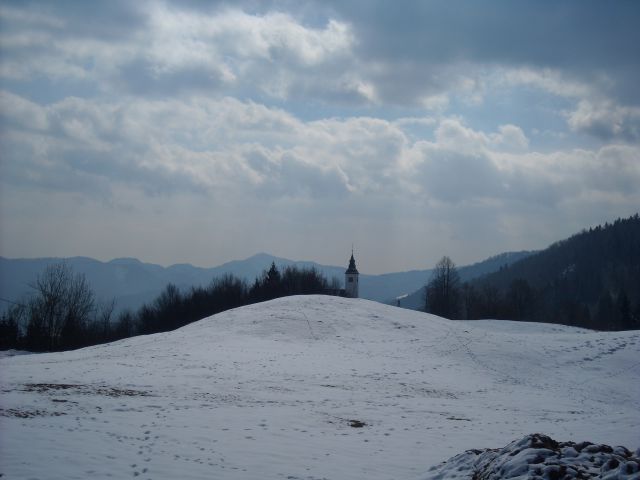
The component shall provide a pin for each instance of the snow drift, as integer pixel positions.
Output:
(312, 387)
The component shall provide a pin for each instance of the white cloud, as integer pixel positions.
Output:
(238, 157)
(605, 119)
(595, 112)
(549, 80)
(510, 137)
(206, 145)
(233, 39)
(179, 49)
(22, 112)
(452, 134)
(419, 121)
(435, 102)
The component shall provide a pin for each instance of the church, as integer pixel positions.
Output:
(351, 282)
(351, 279)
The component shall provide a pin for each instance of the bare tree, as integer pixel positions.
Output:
(103, 314)
(125, 325)
(442, 291)
(61, 308)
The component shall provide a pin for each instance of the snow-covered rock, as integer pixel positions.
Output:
(537, 457)
(311, 387)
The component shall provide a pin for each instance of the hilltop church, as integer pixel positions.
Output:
(351, 283)
(351, 279)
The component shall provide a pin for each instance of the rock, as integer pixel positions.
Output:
(539, 457)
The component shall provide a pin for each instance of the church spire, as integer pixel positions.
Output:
(352, 265)
(351, 278)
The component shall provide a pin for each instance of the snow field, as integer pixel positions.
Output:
(271, 391)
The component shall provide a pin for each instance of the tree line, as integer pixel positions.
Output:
(590, 280)
(63, 312)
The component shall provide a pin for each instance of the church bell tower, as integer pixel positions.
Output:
(351, 279)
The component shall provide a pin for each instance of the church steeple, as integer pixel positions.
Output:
(352, 265)
(351, 278)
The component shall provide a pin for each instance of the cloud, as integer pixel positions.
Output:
(606, 120)
(364, 115)
(463, 166)
(212, 145)
(547, 79)
(613, 170)
(595, 110)
(451, 133)
(510, 137)
(421, 56)
(22, 113)
(197, 146)
(174, 50)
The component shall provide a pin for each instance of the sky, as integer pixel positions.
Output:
(205, 131)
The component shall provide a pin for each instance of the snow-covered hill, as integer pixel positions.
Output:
(309, 388)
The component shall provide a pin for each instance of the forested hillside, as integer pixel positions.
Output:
(591, 279)
(416, 300)
(63, 312)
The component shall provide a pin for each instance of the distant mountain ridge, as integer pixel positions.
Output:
(133, 282)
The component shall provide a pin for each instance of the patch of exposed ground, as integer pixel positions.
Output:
(84, 389)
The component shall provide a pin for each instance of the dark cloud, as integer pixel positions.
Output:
(113, 21)
(545, 33)
(419, 41)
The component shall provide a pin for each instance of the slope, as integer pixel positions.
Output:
(312, 387)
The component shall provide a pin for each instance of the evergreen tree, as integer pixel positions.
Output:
(605, 314)
(625, 319)
(520, 299)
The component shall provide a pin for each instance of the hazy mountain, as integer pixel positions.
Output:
(132, 282)
(129, 281)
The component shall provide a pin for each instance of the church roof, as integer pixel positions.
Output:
(352, 265)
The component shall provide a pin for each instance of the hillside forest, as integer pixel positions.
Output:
(589, 280)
